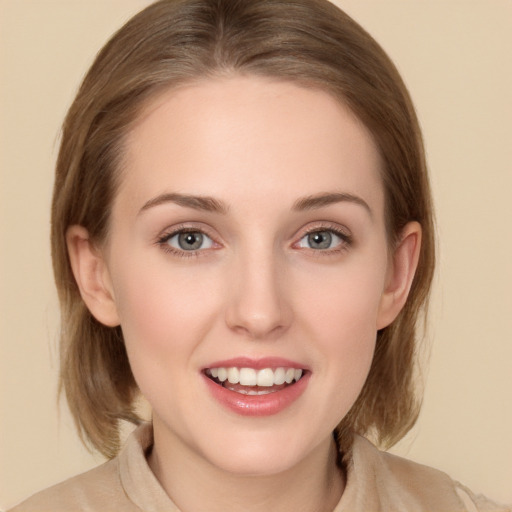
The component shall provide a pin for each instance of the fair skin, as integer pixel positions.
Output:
(287, 259)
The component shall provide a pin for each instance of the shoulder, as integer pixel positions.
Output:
(478, 502)
(124, 483)
(432, 485)
(96, 490)
(389, 482)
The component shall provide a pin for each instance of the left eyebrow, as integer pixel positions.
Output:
(209, 204)
(325, 199)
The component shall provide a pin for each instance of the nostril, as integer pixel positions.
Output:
(258, 307)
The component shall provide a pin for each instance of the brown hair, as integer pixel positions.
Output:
(174, 42)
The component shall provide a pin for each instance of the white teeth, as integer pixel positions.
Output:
(266, 377)
(222, 374)
(290, 374)
(247, 377)
(279, 376)
(252, 392)
(233, 375)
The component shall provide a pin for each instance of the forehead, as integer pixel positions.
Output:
(237, 137)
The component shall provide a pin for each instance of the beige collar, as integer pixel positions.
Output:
(376, 481)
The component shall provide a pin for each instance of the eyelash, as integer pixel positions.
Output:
(344, 236)
(346, 240)
(163, 240)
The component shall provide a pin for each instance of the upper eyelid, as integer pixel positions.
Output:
(185, 227)
(324, 226)
(172, 234)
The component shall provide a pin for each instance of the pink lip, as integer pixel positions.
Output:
(257, 405)
(257, 364)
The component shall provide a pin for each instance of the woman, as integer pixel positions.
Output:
(242, 231)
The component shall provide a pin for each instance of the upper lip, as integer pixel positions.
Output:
(257, 364)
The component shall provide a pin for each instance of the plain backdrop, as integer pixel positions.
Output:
(455, 56)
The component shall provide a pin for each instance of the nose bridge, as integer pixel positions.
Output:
(258, 306)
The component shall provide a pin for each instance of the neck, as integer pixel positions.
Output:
(314, 484)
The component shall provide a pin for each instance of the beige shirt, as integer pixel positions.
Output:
(376, 482)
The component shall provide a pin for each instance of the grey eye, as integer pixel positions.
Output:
(190, 241)
(320, 240)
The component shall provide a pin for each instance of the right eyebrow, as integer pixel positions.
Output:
(205, 203)
(325, 199)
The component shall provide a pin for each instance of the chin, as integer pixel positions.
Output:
(257, 465)
(256, 455)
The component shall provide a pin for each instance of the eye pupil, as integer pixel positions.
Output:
(320, 240)
(190, 241)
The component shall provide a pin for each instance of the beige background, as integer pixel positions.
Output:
(455, 56)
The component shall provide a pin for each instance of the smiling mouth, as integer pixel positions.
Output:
(248, 381)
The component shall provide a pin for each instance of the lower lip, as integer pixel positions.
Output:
(258, 405)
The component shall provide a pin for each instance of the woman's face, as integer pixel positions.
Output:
(248, 242)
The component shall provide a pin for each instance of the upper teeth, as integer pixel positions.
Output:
(252, 377)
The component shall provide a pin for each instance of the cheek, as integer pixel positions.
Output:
(163, 309)
(344, 301)
(347, 333)
(164, 316)
(340, 314)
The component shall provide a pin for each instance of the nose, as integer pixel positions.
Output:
(258, 306)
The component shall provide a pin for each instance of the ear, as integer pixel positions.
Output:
(401, 270)
(91, 275)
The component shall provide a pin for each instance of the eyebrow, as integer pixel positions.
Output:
(210, 204)
(204, 203)
(325, 199)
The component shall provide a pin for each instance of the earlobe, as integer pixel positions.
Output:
(400, 276)
(91, 275)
